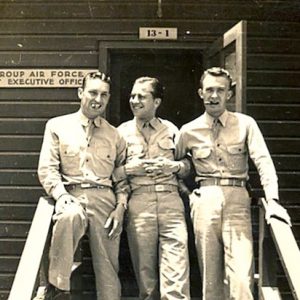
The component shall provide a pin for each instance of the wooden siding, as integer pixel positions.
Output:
(65, 34)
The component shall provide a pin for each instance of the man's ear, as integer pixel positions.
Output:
(157, 102)
(229, 95)
(80, 92)
(200, 93)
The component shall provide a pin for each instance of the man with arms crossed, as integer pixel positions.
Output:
(79, 153)
(156, 228)
(219, 143)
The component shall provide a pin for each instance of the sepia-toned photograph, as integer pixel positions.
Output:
(149, 150)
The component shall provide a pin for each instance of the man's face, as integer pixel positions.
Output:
(142, 102)
(94, 97)
(215, 93)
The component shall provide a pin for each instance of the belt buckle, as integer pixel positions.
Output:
(227, 181)
(85, 185)
(159, 188)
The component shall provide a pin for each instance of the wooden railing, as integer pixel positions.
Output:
(276, 240)
(28, 269)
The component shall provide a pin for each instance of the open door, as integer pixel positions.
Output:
(230, 52)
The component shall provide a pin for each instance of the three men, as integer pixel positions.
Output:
(219, 143)
(156, 228)
(78, 161)
(78, 156)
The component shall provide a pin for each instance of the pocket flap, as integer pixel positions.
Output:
(202, 153)
(166, 144)
(237, 148)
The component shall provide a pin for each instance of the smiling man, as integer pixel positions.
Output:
(78, 156)
(219, 143)
(156, 227)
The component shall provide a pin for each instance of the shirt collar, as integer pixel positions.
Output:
(85, 120)
(223, 118)
(154, 123)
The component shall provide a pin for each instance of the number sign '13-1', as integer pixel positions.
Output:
(157, 33)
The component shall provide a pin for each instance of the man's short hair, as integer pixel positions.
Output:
(93, 75)
(158, 88)
(219, 72)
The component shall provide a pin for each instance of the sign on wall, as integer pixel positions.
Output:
(158, 33)
(42, 78)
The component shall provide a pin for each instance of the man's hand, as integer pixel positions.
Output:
(64, 202)
(274, 209)
(115, 221)
(135, 167)
(161, 167)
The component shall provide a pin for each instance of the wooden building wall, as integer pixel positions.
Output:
(65, 34)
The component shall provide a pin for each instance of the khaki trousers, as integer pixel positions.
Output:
(157, 237)
(223, 235)
(68, 229)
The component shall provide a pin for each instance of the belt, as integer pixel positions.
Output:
(73, 186)
(223, 182)
(156, 188)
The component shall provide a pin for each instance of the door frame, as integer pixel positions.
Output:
(107, 46)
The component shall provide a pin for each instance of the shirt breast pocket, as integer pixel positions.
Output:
(203, 160)
(70, 159)
(135, 150)
(107, 153)
(166, 148)
(237, 157)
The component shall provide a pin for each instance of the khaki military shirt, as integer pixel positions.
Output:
(68, 156)
(226, 156)
(160, 144)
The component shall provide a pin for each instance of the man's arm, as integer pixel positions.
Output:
(122, 191)
(49, 164)
(261, 157)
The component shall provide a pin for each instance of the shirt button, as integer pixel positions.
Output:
(218, 145)
(86, 160)
(220, 159)
(88, 145)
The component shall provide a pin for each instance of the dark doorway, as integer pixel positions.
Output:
(179, 72)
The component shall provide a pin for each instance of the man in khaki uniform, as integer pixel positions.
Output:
(219, 143)
(156, 228)
(79, 153)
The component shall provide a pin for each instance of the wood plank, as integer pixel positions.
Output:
(19, 177)
(286, 179)
(20, 194)
(273, 45)
(273, 79)
(273, 95)
(274, 111)
(25, 278)
(280, 128)
(35, 109)
(266, 61)
(103, 10)
(20, 143)
(283, 145)
(11, 247)
(286, 163)
(14, 229)
(19, 161)
(22, 126)
(39, 94)
(17, 212)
